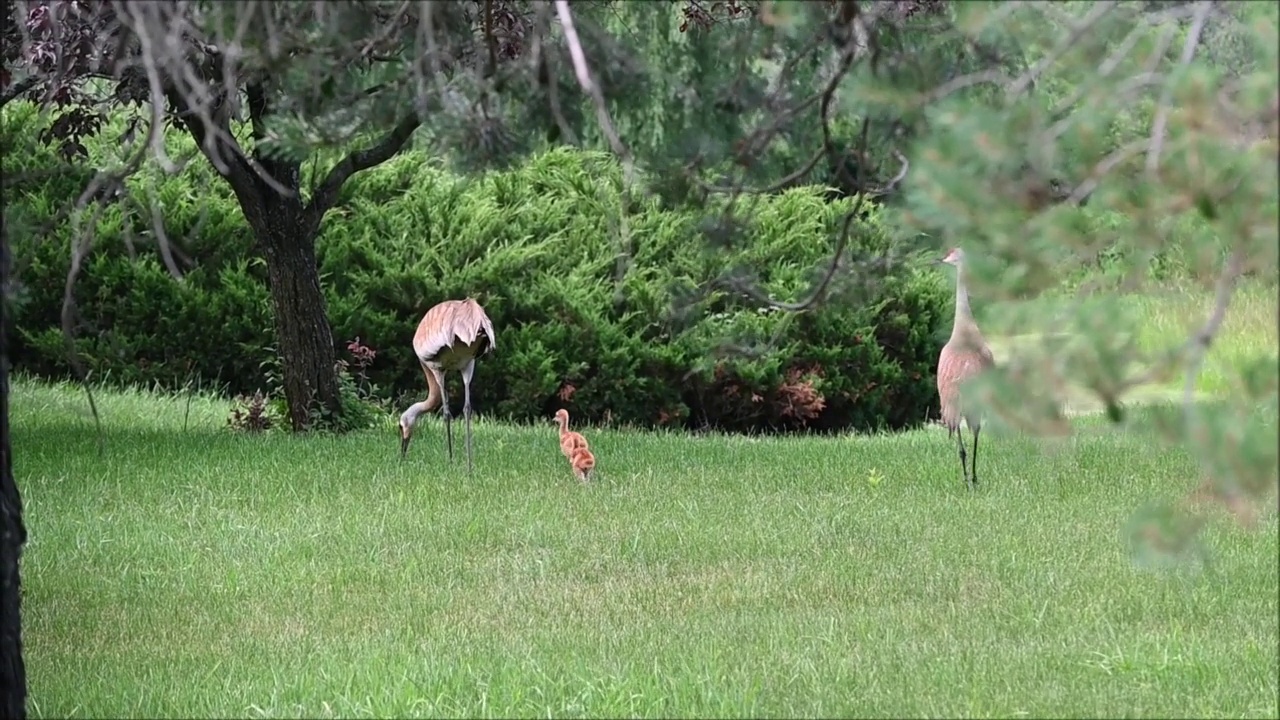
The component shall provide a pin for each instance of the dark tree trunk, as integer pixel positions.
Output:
(287, 240)
(13, 673)
(304, 338)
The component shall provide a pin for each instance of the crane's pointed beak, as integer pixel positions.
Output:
(404, 445)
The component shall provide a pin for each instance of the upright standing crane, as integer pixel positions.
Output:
(965, 355)
(450, 337)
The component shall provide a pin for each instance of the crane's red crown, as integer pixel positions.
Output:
(954, 256)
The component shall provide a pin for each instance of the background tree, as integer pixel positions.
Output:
(268, 92)
(262, 88)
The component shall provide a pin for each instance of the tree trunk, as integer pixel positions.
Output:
(13, 674)
(304, 338)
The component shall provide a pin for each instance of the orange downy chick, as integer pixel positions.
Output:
(569, 440)
(583, 463)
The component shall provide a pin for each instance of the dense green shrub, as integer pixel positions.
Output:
(538, 247)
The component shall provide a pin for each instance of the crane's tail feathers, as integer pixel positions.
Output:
(487, 325)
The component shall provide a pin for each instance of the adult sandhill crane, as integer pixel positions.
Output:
(450, 337)
(569, 440)
(965, 355)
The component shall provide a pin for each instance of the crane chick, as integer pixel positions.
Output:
(569, 440)
(583, 463)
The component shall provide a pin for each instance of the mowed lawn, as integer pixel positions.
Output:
(1162, 318)
(201, 573)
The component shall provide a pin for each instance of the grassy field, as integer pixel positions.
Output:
(1165, 317)
(209, 574)
(202, 573)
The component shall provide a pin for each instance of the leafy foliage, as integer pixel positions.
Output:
(260, 88)
(649, 346)
(249, 413)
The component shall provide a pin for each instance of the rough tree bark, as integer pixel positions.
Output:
(13, 535)
(287, 241)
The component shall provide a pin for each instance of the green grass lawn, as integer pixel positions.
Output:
(204, 573)
(1165, 317)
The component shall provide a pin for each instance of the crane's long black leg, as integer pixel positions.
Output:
(973, 475)
(467, 372)
(964, 467)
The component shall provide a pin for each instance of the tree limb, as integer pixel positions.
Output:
(257, 98)
(782, 184)
(189, 86)
(1105, 166)
(961, 82)
(18, 89)
(849, 53)
(1024, 81)
(1198, 19)
(1108, 66)
(326, 194)
(235, 169)
(1198, 346)
(836, 257)
(542, 61)
(80, 246)
(579, 59)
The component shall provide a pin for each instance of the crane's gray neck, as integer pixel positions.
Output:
(410, 416)
(964, 316)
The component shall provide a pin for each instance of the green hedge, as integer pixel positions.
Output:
(537, 247)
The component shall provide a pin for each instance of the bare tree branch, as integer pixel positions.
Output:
(162, 239)
(1105, 166)
(547, 73)
(782, 184)
(1198, 345)
(1192, 351)
(856, 46)
(583, 73)
(1122, 94)
(1158, 126)
(18, 89)
(1108, 66)
(154, 82)
(167, 44)
(327, 193)
(1024, 81)
(80, 245)
(836, 258)
(956, 84)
